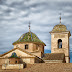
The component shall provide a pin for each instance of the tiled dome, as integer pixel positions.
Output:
(29, 37)
(59, 28)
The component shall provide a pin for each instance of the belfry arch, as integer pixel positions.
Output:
(59, 43)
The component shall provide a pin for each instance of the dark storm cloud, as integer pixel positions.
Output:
(1, 2)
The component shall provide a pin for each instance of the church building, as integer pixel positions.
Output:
(29, 49)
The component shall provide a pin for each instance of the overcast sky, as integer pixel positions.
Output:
(43, 14)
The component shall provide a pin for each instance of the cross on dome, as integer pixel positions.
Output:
(60, 18)
(29, 26)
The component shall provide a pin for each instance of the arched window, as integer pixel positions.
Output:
(59, 43)
(13, 55)
(26, 46)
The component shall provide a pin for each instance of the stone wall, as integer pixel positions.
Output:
(18, 52)
(53, 61)
(22, 45)
(4, 61)
(45, 67)
(12, 66)
(31, 47)
(28, 60)
(14, 60)
(65, 44)
(37, 53)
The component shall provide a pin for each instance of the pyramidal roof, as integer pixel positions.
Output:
(29, 37)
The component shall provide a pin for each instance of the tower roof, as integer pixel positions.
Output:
(29, 37)
(59, 28)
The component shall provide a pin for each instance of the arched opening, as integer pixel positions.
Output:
(13, 55)
(26, 46)
(59, 43)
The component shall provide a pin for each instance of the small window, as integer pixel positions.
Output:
(15, 61)
(59, 43)
(26, 46)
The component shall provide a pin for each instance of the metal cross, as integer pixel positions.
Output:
(60, 18)
(29, 26)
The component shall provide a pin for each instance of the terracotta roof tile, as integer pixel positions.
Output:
(53, 56)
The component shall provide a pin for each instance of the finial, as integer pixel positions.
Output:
(60, 18)
(29, 26)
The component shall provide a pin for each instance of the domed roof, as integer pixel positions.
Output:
(59, 28)
(29, 37)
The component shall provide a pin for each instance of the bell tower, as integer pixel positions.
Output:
(60, 40)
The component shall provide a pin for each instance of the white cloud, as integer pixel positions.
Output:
(67, 14)
(4, 7)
